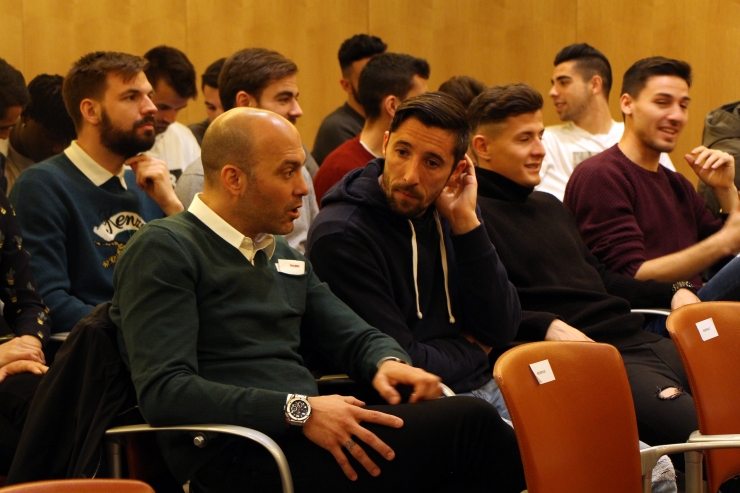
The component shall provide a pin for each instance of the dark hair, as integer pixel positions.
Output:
(210, 76)
(13, 90)
(636, 77)
(251, 71)
(497, 103)
(589, 62)
(358, 47)
(172, 66)
(439, 110)
(388, 74)
(47, 107)
(88, 78)
(463, 88)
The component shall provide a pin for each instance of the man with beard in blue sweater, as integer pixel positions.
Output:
(78, 209)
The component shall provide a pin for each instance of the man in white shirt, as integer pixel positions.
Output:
(173, 78)
(581, 83)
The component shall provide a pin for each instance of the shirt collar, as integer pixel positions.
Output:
(91, 169)
(230, 235)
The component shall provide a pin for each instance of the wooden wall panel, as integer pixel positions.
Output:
(700, 33)
(58, 32)
(497, 42)
(218, 28)
(11, 33)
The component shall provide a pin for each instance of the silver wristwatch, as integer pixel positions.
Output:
(297, 409)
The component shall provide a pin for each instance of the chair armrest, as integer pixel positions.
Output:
(60, 336)
(199, 441)
(692, 450)
(652, 311)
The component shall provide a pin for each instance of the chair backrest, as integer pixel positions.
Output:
(577, 433)
(81, 486)
(713, 368)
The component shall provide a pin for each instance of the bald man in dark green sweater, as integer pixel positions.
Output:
(212, 309)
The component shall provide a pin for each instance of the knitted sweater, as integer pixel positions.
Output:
(211, 338)
(75, 232)
(348, 156)
(391, 271)
(628, 215)
(555, 274)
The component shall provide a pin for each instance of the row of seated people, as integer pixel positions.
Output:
(416, 217)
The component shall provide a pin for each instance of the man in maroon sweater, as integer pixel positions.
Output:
(644, 220)
(385, 82)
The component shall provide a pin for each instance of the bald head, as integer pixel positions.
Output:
(238, 137)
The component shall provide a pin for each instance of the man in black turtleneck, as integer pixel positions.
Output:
(565, 293)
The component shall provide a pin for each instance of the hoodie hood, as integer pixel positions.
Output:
(722, 123)
(360, 187)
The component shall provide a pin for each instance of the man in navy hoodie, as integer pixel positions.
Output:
(400, 241)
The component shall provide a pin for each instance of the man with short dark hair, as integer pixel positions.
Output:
(565, 293)
(172, 77)
(78, 209)
(581, 82)
(212, 309)
(45, 128)
(463, 88)
(385, 82)
(346, 121)
(260, 78)
(209, 86)
(401, 243)
(13, 98)
(617, 197)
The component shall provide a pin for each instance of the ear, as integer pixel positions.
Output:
(244, 99)
(480, 146)
(346, 85)
(625, 104)
(389, 105)
(596, 84)
(91, 111)
(386, 136)
(458, 169)
(233, 180)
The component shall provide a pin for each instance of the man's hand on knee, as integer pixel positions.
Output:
(392, 373)
(335, 422)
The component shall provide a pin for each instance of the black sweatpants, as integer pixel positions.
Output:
(451, 444)
(16, 393)
(651, 368)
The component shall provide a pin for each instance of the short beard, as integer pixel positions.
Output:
(126, 143)
(395, 206)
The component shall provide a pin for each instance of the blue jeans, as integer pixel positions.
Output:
(492, 395)
(724, 286)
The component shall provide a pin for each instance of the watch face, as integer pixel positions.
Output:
(298, 409)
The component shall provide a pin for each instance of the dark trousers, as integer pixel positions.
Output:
(16, 393)
(450, 444)
(651, 368)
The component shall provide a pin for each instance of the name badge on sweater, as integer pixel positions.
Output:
(291, 267)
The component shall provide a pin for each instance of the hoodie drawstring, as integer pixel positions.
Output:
(415, 255)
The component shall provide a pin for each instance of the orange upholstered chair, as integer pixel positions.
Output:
(81, 486)
(713, 368)
(578, 432)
